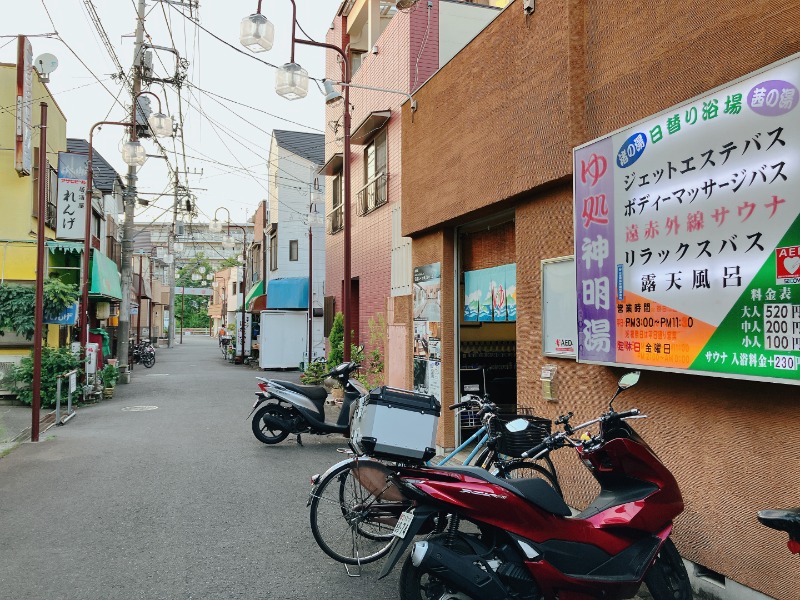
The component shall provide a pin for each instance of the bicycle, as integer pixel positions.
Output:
(353, 522)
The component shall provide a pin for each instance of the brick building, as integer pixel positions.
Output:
(394, 50)
(488, 181)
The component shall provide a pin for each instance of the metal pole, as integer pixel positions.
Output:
(170, 250)
(244, 285)
(130, 203)
(183, 301)
(44, 180)
(139, 308)
(150, 304)
(310, 286)
(346, 292)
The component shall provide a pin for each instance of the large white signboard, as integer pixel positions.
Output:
(687, 235)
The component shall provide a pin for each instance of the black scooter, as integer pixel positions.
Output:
(296, 409)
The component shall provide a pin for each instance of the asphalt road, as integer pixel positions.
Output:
(179, 501)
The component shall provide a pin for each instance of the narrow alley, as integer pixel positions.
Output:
(163, 492)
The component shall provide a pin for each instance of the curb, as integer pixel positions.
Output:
(45, 423)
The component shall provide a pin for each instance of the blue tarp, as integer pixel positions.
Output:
(289, 292)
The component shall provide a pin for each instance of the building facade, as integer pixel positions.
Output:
(393, 50)
(19, 197)
(488, 185)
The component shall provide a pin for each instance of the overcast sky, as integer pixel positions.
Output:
(227, 125)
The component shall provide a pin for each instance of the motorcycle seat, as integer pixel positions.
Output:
(536, 491)
(314, 392)
(787, 520)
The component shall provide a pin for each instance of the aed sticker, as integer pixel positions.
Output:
(787, 265)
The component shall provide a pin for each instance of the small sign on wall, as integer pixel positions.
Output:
(559, 307)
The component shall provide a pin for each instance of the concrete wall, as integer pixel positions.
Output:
(547, 83)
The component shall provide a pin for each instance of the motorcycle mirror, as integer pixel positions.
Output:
(629, 380)
(626, 381)
(517, 425)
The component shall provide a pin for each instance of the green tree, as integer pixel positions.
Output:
(191, 310)
(336, 340)
(18, 302)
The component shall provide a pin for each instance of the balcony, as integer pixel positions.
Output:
(372, 195)
(335, 220)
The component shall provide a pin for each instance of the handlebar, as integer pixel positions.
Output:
(557, 440)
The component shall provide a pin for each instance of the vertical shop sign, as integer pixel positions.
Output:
(427, 330)
(70, 208)
(24, 117)
(687, 235)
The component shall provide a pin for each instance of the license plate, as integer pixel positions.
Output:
(403, 523)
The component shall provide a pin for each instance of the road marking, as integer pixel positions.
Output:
(139, 408)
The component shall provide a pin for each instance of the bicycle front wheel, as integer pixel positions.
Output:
(354, 511)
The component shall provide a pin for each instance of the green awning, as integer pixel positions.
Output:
(66, 247)
(105, 277)
(256, 290)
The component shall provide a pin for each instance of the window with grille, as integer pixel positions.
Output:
(373, 194)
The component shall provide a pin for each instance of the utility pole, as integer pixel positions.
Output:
(130, 203)
(172, 266)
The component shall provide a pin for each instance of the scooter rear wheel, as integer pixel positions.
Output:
(265, 430)
(667, 579)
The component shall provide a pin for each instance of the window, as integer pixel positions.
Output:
(293, 250)
(273, 252)
(375, 157)
(373, 194)
(336, 216)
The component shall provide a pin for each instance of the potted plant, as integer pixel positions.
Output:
(109, 376)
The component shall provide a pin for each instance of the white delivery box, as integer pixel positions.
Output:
(283, 338)
(396, 425)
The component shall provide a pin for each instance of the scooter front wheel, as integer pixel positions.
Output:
(265, 429)
(148, 360)
(667, 579)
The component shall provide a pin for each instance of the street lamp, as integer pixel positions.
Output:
(134, 155)
(289, 83)
(227, 241)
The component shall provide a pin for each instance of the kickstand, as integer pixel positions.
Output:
(356, 573)
(299, 440)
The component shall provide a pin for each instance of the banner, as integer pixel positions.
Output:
(427, 364)
(72, 181)
(687, 235)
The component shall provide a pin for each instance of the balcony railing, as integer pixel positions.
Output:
(372, 195)
(335, 220)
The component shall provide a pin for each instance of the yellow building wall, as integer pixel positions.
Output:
(18, 226)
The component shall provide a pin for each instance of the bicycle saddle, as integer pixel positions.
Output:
(787, 520)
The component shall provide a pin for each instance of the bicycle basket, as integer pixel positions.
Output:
(515, 443)
(469, 418)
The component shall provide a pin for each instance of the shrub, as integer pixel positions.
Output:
(336, 340)
(109, 375)
(314, 373)
(54, 362)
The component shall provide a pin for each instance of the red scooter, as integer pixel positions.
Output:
(518, 539)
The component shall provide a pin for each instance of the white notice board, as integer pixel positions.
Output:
(559, 307)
